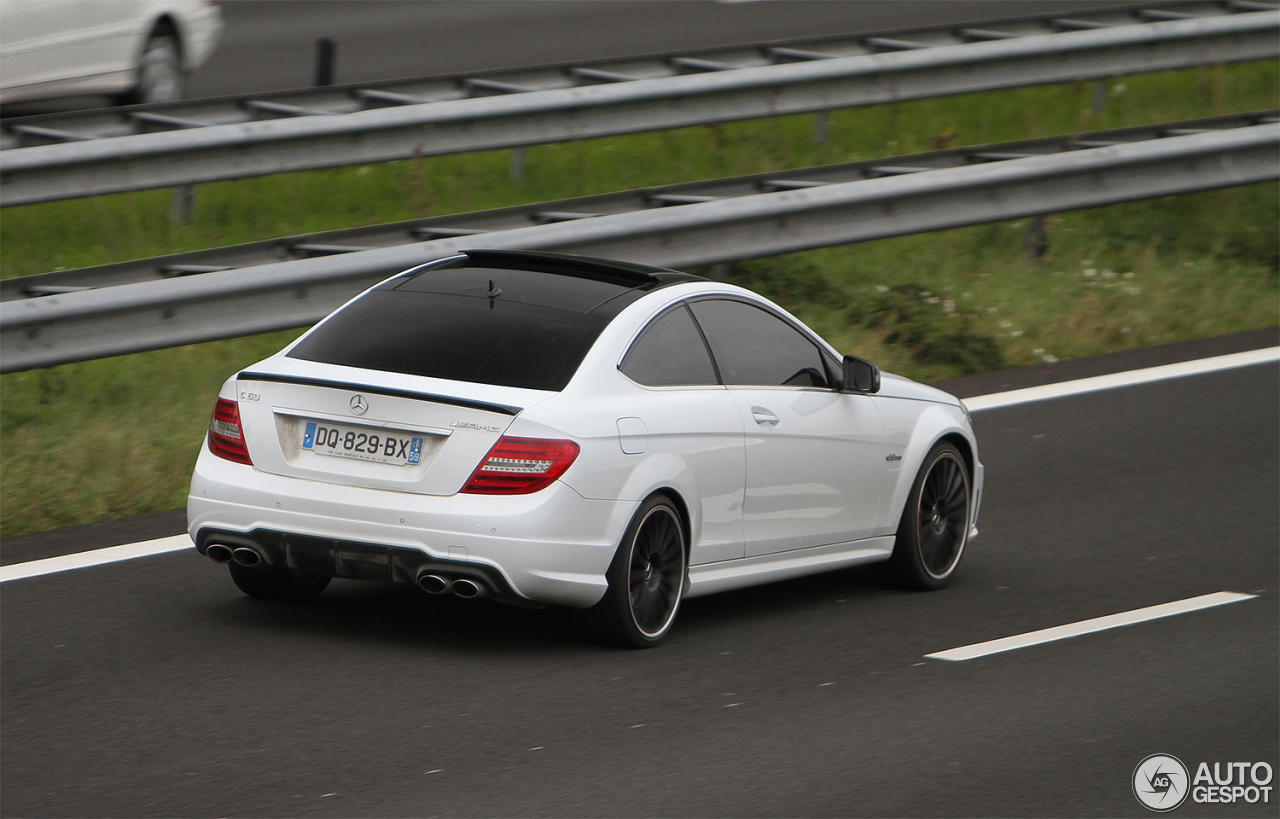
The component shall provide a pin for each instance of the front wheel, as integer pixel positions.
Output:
(646, 578)
(935, 523)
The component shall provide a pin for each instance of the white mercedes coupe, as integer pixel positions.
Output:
(553, 429)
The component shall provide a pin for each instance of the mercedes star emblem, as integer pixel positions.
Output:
(359, 405)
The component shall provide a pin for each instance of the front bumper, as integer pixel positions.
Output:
(979, 481)
(552, 546)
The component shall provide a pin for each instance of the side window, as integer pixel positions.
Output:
(755, 347)
(670, 353)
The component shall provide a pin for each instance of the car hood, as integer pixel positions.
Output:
(895, 386)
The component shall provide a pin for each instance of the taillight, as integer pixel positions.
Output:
(226, 436)
(518, 466)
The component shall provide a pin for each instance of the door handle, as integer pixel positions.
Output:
(764, 416)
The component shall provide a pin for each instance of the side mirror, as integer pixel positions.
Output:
(860, 375)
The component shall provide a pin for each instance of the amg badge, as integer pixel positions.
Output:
(469, 425)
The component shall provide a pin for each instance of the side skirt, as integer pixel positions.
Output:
(709, 578)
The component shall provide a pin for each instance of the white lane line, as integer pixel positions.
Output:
(1124, 618)
(129, 551)
(97, 557)
(1125, 379)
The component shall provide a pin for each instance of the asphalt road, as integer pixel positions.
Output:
(269, 45)
(153, 687)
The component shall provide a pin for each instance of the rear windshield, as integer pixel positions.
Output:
(461, 338)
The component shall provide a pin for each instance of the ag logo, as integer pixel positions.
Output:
(1161, 782)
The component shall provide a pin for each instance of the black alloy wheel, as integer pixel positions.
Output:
(646, 579)
(935, 523)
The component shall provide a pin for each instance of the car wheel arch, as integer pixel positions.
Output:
(164, 25)
(677, 491)
(934, 424)
(966, 450)
(678, 501)
(655, 473)
(686, 523)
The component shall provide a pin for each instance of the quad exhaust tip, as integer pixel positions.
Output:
(466, 588)
(246, 556)
(462, 587)
(218, 553)
(433, 584)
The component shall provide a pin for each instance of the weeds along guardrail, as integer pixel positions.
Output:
(368, 237)
(577, 102)
(79, 326)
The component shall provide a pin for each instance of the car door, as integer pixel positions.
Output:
(36, 41)
(815, 457)
(687, 415)
(57, 41)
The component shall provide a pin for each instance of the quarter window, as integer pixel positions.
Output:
(754, 347)
(670, 353)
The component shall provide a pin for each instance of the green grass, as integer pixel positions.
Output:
(964, 301)
(79, 233)
(102, 439)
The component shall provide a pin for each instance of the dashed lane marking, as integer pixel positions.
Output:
(1124, 618)
(177, 543)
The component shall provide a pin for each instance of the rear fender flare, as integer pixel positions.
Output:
(665, 472)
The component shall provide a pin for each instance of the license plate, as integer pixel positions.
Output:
(382, 446)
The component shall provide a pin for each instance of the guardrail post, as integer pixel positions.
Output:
(326, 56)
(182, 204)
(1036, 239)
(820, 128)
(1100, 88)
(517, 164)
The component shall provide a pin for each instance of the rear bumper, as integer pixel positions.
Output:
(552, 546)
(353, 559)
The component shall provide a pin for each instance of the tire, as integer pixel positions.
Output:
(935, 522)
(160, 77)
(646, 578)
(270, 583)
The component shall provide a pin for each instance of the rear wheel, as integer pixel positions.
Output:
(646, 578)
(272, 583)
(160, 77)
(935, 522)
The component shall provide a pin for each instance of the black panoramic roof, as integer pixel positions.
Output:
(579, 284)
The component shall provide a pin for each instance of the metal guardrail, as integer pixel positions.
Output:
(577, 102)
(73, 126)
(354, 240)
(42, 332)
